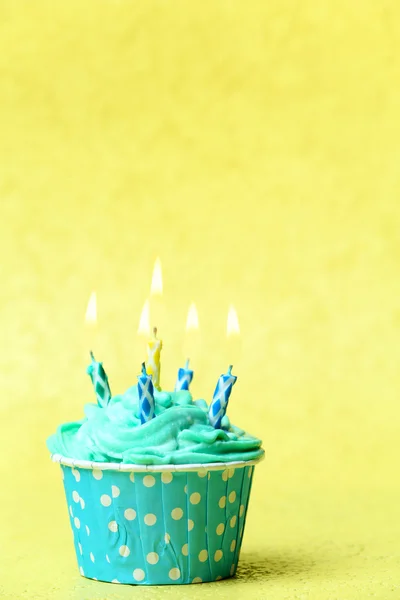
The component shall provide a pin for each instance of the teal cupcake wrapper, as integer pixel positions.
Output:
(160, 526)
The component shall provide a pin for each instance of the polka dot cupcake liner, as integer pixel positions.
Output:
(157, 525)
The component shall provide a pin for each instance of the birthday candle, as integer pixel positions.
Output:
(153, 366)
(100, 382)
(146, 396)
(220, 399)
(184, 378)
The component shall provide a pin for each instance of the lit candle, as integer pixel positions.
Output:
(156, 304)
(153, 365)
(146, 396)
(144, 322)
(95, 369)
(184, 378)
(191, 344)
(90, 331)
(220, 399)
(100, 382)
(233, 336)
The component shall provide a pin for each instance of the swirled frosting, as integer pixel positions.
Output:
(180, 433)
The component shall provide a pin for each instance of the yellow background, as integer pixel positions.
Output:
(255, 147)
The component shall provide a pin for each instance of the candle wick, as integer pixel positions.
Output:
(230, 369)
(144, 368)
(155, 332)
(92, 355)
(187, 363)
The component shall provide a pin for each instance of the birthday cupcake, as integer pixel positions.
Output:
(157, 484)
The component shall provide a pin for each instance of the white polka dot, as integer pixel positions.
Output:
(70, 511)
(97, 474)
(107, 558)
(231, 473)
(149, 481)
(166, 477)
(203, 555)
(177, 514)
(225, 475)
(81, 571)
(95, 578)
(232, 497)
(77, 523)
(139, 574)
(114, 581)
(152, 558)
(76, 474)
(92, 557)
(218, 555)
(132, 478)
(185, 549)
(202, 473)
(150, 519)
(75, 496)
(167, 538)
(124, 551)
(222, 502)
(195, 498)
(130, 514)
(113, 526)
(241, 511)
(232, 570)
(218, 578)
(115, 491)
(80, 548)
(174, 574)
(185, 489)
(87, 530)
(233, 545)
(220, 529)
(81, 500)
(232, 522)
(190, 524)
(105, 500)
(197, 580)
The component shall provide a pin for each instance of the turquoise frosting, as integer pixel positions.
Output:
(179, 434)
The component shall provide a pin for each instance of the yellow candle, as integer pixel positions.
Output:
(153, 309)
(153, 366)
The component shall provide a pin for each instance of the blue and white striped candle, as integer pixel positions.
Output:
(220, 399)
(184, 378)
(100, 381)
(146, 396)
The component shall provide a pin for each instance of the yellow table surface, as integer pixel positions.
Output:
(253, 146)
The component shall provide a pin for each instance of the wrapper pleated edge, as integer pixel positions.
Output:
(110, 466)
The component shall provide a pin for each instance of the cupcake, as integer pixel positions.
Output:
(159, 502)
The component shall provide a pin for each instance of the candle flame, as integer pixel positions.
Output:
(144, 321)
(91, 311)
(192, 321)
(156, 288)
(232, 324)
